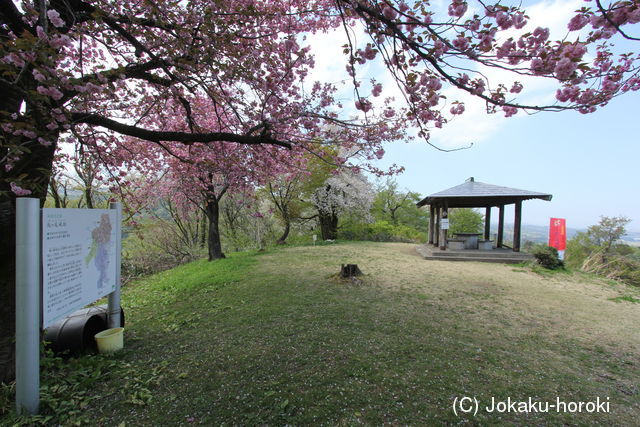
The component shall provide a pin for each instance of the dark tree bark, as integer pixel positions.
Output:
(349, 270)
(7, 290)
(203, 230)
(328, 226)
(55, 187)
(283, 195)
(287, 227)
(213, 238)
(88, 195)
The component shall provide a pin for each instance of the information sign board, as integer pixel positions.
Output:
(78, 259)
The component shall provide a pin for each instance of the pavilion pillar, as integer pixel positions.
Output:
(443, 233)
(500, 226)
(487, 223)
(436, 228)
(517, 223)
(432, 222)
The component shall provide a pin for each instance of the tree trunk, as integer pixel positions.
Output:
(7, 290)
(328, 226)
(88, 195)
(38, 166)
(394, 219)
(53, 185)
(350, 270)
(213, 240)
(203, 230)
(287, 227)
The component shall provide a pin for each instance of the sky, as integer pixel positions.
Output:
(589, 163)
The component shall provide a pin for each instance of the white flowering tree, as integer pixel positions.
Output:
(348, 192)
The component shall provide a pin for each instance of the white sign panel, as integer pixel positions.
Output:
(78, 259)
(444, 224)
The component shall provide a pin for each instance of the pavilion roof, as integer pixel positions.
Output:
(474, 194)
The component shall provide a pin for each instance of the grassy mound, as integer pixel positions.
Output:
(275, 339)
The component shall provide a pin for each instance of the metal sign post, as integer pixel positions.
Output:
(114, 297)
(28, 285)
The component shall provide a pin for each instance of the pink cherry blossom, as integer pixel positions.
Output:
(504, 20)
(457, 109)
(461, 43)
(19, 191)
(38, 75)
(509, 110)
(369, 53)
(457, 8)
(50, 91)
(55, 19)
(578, 22)
(363, 105)
(516, 88)
(389, 13)
(564, 68)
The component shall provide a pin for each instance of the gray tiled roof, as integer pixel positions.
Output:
(483, 192)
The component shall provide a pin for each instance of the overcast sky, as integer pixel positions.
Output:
(589, 163)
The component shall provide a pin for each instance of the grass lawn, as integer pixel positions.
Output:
(274, 338)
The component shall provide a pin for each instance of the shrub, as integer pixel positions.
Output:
(379, 231)
(157, 246)
(547, 257)
(616, 267)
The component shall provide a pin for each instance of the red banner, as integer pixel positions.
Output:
(558, 233)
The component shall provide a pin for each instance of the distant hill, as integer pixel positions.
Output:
(540, 233)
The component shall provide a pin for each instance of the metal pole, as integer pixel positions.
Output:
(114, 297)
(28, 284)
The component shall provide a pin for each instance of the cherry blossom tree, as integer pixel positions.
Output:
(201, 174)
(108, 68)
(347, 192)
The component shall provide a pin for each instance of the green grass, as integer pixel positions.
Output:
(275, 339)
(627, 298)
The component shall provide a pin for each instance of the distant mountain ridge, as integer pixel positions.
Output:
(540, 233)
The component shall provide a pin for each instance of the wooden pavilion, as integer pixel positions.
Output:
(474, 194)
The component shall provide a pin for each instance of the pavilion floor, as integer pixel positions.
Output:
(498, 255)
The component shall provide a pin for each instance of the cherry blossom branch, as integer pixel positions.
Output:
(182, 137)
(362, 11)
(613, 24)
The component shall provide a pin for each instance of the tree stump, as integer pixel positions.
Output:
(350, 270)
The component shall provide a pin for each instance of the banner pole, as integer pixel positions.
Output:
(114, 297)
(28, 284)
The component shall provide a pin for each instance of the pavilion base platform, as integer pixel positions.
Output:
(498, 255)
